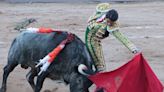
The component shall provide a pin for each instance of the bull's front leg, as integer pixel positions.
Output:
(40, 80)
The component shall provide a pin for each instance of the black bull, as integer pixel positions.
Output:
(28, 48)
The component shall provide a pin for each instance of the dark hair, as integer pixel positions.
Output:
(112, 15)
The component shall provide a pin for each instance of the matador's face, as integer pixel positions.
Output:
(109, 22)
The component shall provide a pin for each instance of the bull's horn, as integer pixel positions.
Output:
(82, 68)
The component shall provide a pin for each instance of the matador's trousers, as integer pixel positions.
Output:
(94, 46)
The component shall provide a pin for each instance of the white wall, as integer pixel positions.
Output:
(69, 1)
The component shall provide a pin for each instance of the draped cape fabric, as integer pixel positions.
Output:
(134, 76)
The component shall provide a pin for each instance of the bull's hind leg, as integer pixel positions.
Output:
(7, 69)
(79, 84)
(30, 78)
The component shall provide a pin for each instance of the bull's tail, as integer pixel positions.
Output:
(84, 70)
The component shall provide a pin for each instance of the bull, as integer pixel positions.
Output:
(27, 48)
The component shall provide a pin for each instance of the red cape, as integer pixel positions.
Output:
(134, 76)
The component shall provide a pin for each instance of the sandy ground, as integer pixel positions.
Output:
(142, 22)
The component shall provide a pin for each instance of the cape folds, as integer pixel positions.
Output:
(134, 76)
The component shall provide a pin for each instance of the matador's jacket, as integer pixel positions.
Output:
(96, 31)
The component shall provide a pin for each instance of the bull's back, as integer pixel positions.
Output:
(33, 46)
(28, 48)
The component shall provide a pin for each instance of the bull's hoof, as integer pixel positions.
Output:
(2, 90)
